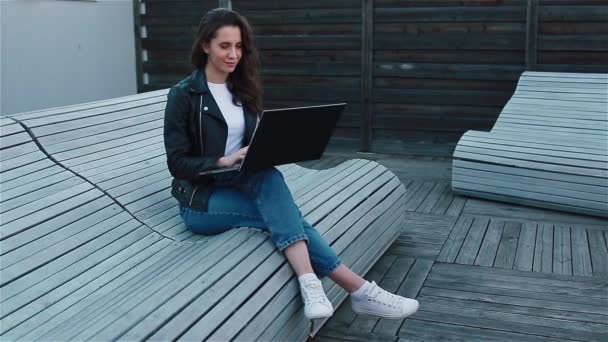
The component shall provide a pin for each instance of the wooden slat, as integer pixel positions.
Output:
(97, 117)
(433, 198)
(19, 150)
(67, 203)
(525, 176)
(525, 247)
(489, 246)
(505, 257)
(494, 192)
(419, 196)
(599, 252)
(472, 242)
(586, 293)
(543, 253)
(106, 145)
(111, 137)
(419, 331)
(452, 246)
(43, 191)
(523, 156)
(90, 323)
(562, 255)
(35, 318)
(48, 228)
(44, 202)
(76, 130)
(10, 128)
(111, 104)
(549, 143)
(50, 176)
(56, 271)
(581, 257)
(160, 259)
(247, 279)
(22, 165)
(29, 173)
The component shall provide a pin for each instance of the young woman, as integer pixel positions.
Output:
(209, 120)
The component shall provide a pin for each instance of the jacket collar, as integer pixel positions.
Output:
(198, 81)
(198, 84)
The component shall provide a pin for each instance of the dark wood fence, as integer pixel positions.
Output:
(414, 72)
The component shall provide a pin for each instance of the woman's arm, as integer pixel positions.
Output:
(233, 159)
(178, 145)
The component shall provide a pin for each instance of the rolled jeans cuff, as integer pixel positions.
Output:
(292, 240)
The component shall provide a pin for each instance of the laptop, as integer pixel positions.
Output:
(288, 135)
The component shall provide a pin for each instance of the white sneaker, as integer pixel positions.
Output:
(382, 303)
(316, 304)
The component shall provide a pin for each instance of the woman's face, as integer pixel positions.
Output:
(224, 51)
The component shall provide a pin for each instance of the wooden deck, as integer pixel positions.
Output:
(483, 270)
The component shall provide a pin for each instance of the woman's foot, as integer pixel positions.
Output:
(316, 304)
(373, 300)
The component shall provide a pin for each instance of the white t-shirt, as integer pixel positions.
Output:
(232, 114)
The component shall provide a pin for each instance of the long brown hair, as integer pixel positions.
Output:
(244, 82)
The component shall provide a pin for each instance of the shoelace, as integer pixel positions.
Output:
(379, 295)
(314, 291)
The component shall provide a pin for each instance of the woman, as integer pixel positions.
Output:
(209, 120)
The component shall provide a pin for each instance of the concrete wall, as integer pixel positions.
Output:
(57, 52)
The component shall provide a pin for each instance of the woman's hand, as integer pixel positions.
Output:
(233, 159)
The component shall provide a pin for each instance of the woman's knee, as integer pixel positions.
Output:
(218, 221)
(272, 175)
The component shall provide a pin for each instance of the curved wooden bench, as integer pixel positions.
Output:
(548, 148)
(120, 264)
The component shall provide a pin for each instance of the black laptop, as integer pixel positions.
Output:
(289, 135)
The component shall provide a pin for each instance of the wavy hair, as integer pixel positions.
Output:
(244, 82)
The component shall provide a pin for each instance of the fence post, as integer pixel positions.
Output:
(531, 34)
(139, 69)
(367, 27)
(225, 4)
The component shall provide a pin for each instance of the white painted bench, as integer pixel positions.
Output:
(548, 148)
(93, 247)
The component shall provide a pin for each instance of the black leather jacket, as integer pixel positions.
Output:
(195, 135)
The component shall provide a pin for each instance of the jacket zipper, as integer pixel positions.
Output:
(200, 131)
(200, 125)
(192, 197)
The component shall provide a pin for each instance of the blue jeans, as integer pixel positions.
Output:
(260, 200)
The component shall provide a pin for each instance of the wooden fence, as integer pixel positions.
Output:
(414, 72)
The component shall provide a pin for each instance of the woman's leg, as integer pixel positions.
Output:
(366, 297)
(228, 208)
(276, 206)
(347, 279)
(306, 250)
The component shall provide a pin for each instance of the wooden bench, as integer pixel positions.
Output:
(548, 148)
(93, 247)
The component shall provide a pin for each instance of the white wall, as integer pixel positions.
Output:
(57, 52)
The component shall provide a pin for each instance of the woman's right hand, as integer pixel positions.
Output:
(233, 159)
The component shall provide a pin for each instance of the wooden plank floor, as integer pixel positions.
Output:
(482, 270)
